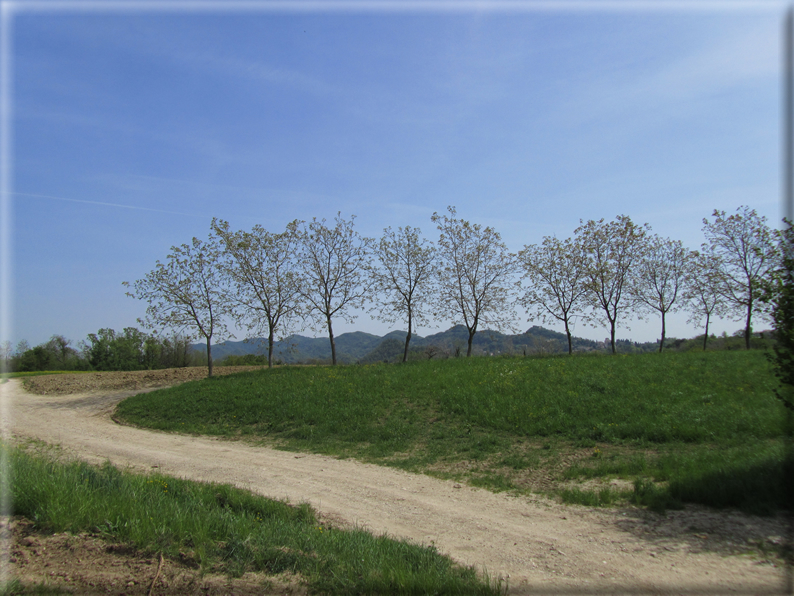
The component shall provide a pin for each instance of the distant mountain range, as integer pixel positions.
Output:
(360, 347)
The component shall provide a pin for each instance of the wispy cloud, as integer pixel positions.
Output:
(262, 72)
(740, 58)
(103, 204)
(161, 45)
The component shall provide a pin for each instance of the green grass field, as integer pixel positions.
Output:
(687, 427)
(225, 529)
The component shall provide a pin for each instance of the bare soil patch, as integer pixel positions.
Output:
(68, 384)
(88, 564)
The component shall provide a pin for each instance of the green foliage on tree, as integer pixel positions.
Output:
(37, 358)
(55, 354)
(779, 294)
(135, 350)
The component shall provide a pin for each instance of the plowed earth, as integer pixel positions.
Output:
(537, 545)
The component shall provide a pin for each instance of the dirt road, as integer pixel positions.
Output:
(541, 547)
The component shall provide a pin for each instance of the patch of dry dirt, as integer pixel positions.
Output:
(122, 381)
(539, 546)
(87, 564)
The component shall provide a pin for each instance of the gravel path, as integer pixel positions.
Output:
(539, 546)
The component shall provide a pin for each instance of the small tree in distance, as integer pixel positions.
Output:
(186, 293)
(747, 249)
(404, 277)
(475, 271)
(556, 273)
(661, 277)
(262, 268)
(613, 250)
(702, 291)
(6, 352)
(333, 265)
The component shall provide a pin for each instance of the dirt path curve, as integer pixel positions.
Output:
(540, 546)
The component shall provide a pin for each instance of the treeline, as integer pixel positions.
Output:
(314, 273)
(102, 351)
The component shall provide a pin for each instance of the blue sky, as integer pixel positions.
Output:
(132, 130)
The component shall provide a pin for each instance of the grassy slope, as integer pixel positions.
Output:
(654, 415)
(227, 529)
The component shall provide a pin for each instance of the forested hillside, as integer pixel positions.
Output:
(358, 347)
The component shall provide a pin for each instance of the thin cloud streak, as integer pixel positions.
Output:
(26, 194)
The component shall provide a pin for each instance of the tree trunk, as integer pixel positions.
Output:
(661, 343)
(407, 337)
(270, 349)
(471, 339)
(748, 330)
(209, 358)
(706, 336)
(612, 336)
(331, 337)
(568, 333)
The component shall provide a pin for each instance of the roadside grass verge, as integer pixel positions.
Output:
(685, 420)
(226, 529)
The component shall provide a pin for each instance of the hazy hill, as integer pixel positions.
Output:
(350, 347)
(366, 347)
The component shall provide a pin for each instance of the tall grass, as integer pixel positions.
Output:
(678, 406)
(227, 529)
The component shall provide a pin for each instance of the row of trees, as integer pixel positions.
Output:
(55, 354)
(610, 272)
(314, 273)
(106, 349)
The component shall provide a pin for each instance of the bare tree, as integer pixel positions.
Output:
(264, 294)
(556, 272)
(475, 275)
(21, 347)
(333, 264)
(661, 277)
(613, 250)
(703, 291)
(748, 250)
(6, 351)
(186, 292)
(404, 277)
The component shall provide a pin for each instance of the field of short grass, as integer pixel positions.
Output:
(224, 529)
(677, 427)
